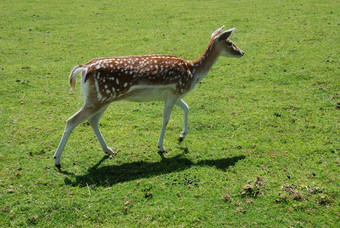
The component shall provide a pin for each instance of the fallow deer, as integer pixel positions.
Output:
(142, 78)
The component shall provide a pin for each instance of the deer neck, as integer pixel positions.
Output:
(203, 64)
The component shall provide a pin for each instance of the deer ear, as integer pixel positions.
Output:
(217, 31)
(226, 34)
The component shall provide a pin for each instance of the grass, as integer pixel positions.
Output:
(263, 146)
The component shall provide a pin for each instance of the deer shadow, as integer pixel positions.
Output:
(113, 174)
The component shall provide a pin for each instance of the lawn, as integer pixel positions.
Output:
(263, 143)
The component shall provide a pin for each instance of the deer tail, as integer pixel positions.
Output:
(73, 75)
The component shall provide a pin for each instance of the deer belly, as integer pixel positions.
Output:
(142, 93)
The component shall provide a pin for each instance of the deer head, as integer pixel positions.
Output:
(224, 44)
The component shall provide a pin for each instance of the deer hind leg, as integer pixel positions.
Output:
(94, 124)
(185, 108)
(84, 113)
(169, 104)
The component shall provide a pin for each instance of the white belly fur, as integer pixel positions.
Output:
(142, 93)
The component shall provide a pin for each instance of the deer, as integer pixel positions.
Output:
(142, 78)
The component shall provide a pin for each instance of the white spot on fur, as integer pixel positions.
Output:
(99, 96)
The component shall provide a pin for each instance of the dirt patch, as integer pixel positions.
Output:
(254, 189)
(289, 193)
(227, 198)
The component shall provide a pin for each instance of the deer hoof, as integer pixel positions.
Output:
(161, 150)
(109, 152)
(58, 166)
(161, 153)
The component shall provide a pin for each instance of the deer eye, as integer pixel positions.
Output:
(229, 43)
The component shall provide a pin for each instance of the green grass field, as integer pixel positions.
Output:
(263, 143)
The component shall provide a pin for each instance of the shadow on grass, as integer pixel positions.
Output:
(110, 175)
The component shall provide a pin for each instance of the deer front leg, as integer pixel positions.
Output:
(185, 108)
(169, 104)
(94, 124)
